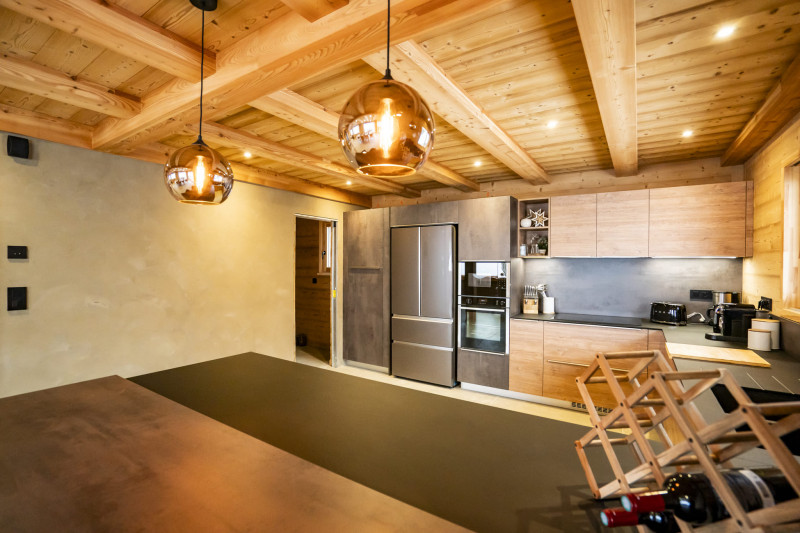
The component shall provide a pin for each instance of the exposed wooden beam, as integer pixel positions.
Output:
(412, 65)
(119, 30)
(277, 56)
(40, 126)
(299, 110)
(36, 79)
(782, 103)
(608, 34)
(217, 133)
(159, 153)
(315, 9)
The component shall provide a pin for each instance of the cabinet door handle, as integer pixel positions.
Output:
(582, 365)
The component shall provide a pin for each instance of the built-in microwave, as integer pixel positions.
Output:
(483, 278)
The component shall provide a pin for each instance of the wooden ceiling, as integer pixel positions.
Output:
(623, 79)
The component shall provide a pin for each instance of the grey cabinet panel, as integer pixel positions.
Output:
(365, 291)
(365, 238)
(423, 363)
(435, 213)
(405, 271)
(483, 368)
(365, 330)
(437, 278)
(423, 331)
(487, 229)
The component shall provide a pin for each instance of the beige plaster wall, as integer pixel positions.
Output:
(122, 279)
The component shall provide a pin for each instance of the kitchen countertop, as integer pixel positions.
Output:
(692, 334)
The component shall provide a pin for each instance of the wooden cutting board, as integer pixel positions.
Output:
(716, 354)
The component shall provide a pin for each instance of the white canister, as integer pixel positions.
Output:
(759, 339)
(548, 305)
(774, 327)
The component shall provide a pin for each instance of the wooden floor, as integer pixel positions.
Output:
(484, 468)
(110, 456)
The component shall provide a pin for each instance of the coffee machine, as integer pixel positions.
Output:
(731, 322)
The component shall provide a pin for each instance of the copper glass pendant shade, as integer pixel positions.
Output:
(386, 128)
(198, 174)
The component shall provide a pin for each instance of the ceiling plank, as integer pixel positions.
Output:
(299, 110)
(608, 33)
(40, 126)
(312, 10)
(285, 154)
(43, 81)
(159, 153)
(412, 65)
(277, 56)
(123, 32)
(782, 103)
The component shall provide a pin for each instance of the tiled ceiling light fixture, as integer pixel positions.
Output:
(198, 174)
(386, 129)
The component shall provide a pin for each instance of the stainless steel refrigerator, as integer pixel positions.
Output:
(423, 303)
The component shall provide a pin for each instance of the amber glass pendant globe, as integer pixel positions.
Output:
(198, 174)
(386, 129)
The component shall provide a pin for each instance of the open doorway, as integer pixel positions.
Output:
(315, 290)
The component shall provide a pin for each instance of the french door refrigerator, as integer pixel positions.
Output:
(423, 303)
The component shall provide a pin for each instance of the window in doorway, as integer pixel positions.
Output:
(325, 246)
(791, 238)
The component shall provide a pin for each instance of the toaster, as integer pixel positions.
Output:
(668, 313)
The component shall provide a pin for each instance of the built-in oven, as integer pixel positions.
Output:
(483, 307)
(483, 324)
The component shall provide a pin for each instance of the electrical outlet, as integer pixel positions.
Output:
(17, 298)
(17, 252)
(699, 294)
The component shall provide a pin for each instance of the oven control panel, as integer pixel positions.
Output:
(484, 301)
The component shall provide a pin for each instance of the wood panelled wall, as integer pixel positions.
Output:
(312, 305)
(762, 272)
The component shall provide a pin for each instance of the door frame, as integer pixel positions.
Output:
(334, 296)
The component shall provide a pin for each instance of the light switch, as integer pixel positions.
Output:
(17, 252)
(17, 298)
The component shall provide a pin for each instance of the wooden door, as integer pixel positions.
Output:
(573, 226)
(622, 223)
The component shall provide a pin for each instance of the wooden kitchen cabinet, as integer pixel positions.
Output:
(573, 226)
(699, 220)
(570, 348)
(623, 223)
(487, 229)
(365, 292)
(527, 356)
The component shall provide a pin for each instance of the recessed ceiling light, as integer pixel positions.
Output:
(349, 182)
(477, 163)
(725, 31)
(248, 155)
(552, 124)
(688, 133)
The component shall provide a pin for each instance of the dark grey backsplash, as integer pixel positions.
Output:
(627, 286)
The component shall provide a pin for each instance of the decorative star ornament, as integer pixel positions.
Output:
(539, 219)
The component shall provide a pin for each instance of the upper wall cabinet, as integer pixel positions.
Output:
(415, 215)
(573, 226)
(700, 220)
(487, 229)
(622, 223)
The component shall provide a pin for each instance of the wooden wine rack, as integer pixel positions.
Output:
(659, 407)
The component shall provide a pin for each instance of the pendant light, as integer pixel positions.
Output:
(198, 174)
(386, 129)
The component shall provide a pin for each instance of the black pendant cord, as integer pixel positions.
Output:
(388, 75)
(202, 60)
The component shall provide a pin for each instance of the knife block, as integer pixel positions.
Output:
(530, 306)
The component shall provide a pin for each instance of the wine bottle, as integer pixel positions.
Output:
(657, 522)
(692, 498)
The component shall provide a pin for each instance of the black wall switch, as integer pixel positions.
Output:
(17, 298)
(18, 147)
(699, 294)
(17, 252)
